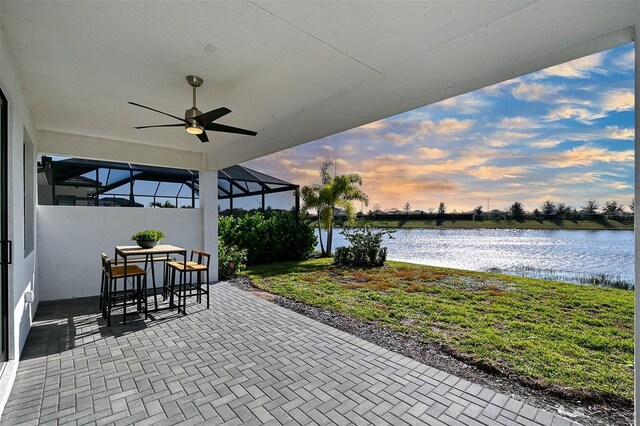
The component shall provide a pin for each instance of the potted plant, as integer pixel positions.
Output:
(148, 238)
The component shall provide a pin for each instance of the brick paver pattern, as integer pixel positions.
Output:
(245, 361)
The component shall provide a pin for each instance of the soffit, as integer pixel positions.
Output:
(292, 71)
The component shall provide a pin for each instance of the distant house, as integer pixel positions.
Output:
(583, 213)
(497, 214)
(339, 213)
(117, 202)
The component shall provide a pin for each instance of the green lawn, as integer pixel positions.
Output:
(550, 334)
(626, 224)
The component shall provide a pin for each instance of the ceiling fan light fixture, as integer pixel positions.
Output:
(194, 129)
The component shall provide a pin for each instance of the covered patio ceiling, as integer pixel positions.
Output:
(292, 71)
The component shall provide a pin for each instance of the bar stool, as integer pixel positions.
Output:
(198, 263)
(109, 294)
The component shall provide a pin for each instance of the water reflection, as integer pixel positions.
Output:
(563, 255)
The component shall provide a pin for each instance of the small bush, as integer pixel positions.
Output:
(268, 237)
(148, 235)
(231, 260)
(365, 249)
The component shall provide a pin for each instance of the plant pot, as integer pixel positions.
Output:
(147, 244)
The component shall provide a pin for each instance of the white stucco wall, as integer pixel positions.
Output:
(70, 240)
(22, 269)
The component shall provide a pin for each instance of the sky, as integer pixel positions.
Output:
(563, 134)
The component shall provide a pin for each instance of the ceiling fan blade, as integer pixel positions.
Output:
(158, 111)
(228, 129)
(212, 115)
(160, 125)
(203, 137)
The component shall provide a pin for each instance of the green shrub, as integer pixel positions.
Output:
(148, 235)
(366, 247)
(268, 237)
(231, 260)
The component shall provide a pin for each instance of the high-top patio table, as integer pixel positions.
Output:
(165, 250)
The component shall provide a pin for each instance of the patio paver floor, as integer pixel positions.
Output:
(245, 361)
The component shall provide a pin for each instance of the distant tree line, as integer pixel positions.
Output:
(516, 211)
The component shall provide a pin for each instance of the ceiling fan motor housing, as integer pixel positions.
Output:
(192, 113)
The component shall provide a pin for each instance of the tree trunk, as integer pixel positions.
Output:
(320, 235)
(329, 238)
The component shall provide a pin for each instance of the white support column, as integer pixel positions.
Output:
(209, 208)
(636, 223)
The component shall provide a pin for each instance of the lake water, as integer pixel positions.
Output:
(560, 255)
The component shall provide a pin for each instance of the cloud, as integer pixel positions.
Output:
(303, 174)
(619, 100)
(446, 126)
(431, 153)
(497, 143)
(578, 68)
(391, 157)
(348, 148)
(625, 61)
(376, 125)
(498, 88)
(586, 155)
(567, 112)
(517, 123)
(501, 139)
(470, 103)
(620, 185)
(374, 169)
(615, 132)
(514, 135)
(497, 173)
(535, 92)
(572, 101)
(580, 178)
(402, 188)
(421, 129)
(395, 138)
(548, 143)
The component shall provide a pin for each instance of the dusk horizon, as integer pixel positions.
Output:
(564, 134)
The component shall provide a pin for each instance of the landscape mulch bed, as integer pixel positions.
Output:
(588, 413)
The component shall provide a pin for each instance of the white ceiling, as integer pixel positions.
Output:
(292, 71)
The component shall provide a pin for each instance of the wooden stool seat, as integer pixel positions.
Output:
(132, 271)
(181, 288)
(191, 266)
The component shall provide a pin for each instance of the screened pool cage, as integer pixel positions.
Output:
(79, 182)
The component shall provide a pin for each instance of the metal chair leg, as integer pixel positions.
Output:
(124, 307)
(172, 289)
(146, 300)
(109, 304)
(183, 292)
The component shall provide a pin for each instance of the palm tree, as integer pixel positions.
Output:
(333, 192)
(311, 200)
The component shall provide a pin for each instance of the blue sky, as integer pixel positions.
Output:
(564, 133)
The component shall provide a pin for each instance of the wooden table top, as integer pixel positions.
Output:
(125, 251)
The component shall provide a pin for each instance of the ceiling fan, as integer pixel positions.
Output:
(195, 122)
